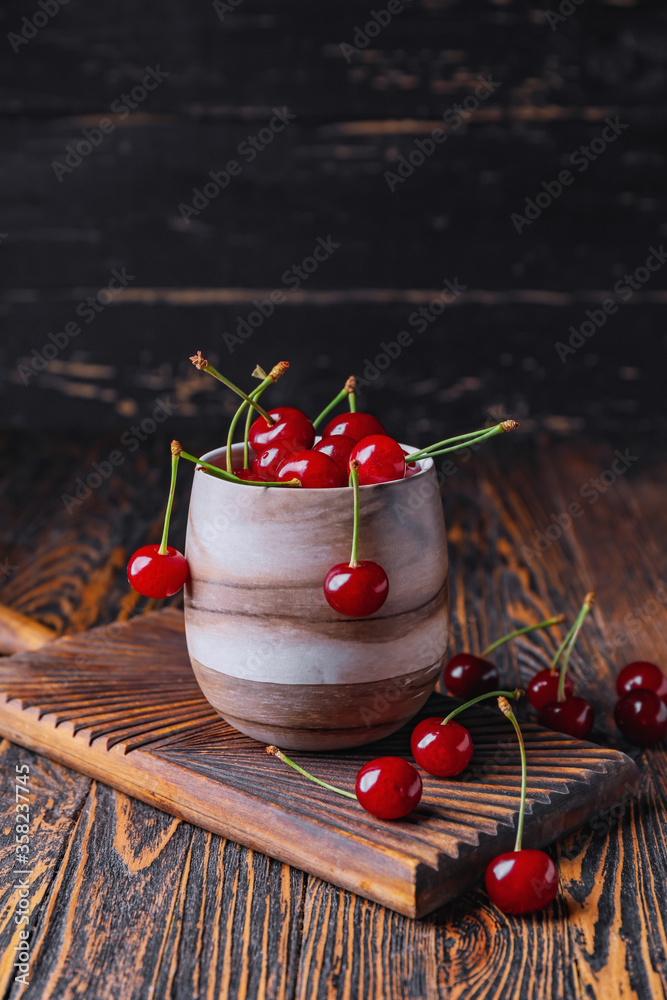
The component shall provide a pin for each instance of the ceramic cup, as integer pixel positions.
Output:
(268, 652)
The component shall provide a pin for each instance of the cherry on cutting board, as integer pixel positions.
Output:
(574, 717)
(389, 787)
(642, 717)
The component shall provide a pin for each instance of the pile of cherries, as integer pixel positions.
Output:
(354, 450)
(641, 710)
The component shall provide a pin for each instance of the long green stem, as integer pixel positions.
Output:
(175, 455)
(275, 752)
(347, 390)
(506, 709)
(559, 651)
(516, 694)
(354, 482)
(203, 365)
(221, 474)
(523, 631)
(466, 441)
(585, 608)
(248, 420)
(254, 395)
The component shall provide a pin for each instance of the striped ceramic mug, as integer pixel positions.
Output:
(269, 653)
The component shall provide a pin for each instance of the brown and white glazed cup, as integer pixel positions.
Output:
(269, 653)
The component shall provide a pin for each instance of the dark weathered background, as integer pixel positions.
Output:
(493, 351)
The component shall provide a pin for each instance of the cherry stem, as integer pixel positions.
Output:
(221, 474)
(254, 395)
(175, 455)
(275, 752)
(506, 709)
(230, 385)
(354, 483)
(558, 620)
(466, 441)
(585, 608)
(516, 694)
(347, 390)
(559, 651)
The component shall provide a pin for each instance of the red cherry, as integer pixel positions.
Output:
(466, 676)
(267, 462)
(642, 674)
(354, 425)
(248, 475)
(154, 575)
(289, 423)
(314, 470)
(641, 716)
(338, 448)
(543, 688)
(441, 750)
(380, 458)
(356, 591)
(574, 717)
(522, 881)
(388, 787)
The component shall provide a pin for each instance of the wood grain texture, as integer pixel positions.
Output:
(126, 709)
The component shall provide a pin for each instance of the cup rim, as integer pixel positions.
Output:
(425, 464)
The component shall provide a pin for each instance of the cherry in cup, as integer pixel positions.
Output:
(339, 449)
(356, 589)
(387, 788)
(354, 425)
(312, 469)
(380, 458)
(289, 425)
(521, 881)
(160, 571)
(466, 676)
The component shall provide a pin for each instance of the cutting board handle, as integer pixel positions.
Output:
(19, 633)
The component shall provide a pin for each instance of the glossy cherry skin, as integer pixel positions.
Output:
(353, 425)
(642, 674)
(641, 716)
(338, 448)
(290, 424)
(356, 591)
(388, 787)
(441, 750)
(543, 688)
(466, 676)
(154, 575)
(575, 717)
(381, 460)
(522, 881)
(267, 462)
(314, 471)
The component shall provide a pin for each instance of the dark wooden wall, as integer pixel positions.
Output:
(492, 351)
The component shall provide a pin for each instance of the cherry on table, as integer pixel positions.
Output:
(338, 448)
(288, 423)
(388, 787)
(641, 716)
(156, 575)
(543, 688)
(380, 458)
(353, 425)
(642, 674)
(441, 750)
(314, 471)
(522, 881)
(356, 591)
(573, 717)
(466, 676)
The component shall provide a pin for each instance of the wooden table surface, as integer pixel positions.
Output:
(131, 903)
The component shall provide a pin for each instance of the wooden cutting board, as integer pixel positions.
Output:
(120, 703)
